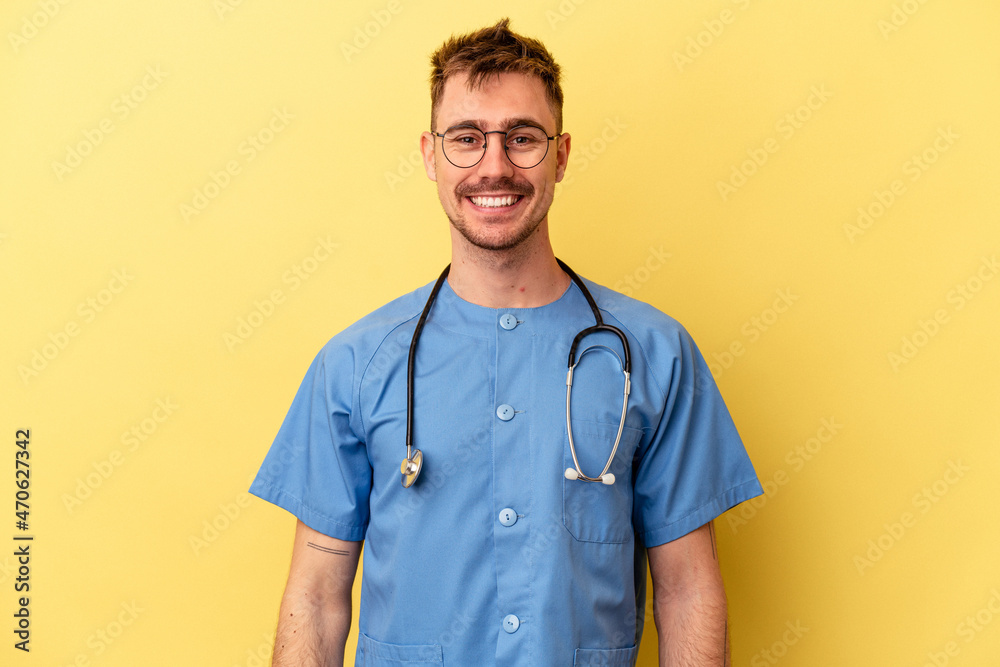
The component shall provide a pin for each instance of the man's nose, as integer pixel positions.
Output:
(495, 163)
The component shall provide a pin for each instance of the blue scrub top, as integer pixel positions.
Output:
(493, 557)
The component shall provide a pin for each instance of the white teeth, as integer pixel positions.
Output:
(493, 202)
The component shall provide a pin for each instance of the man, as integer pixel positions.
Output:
(501, 552)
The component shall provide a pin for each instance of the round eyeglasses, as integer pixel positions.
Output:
(525, 145)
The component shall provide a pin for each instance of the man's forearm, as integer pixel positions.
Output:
(689, 601)
(693, 630)
(310, 633)
(315, 615)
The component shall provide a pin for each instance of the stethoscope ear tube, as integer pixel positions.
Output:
(627, 361)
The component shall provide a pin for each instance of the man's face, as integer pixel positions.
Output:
(470, 197)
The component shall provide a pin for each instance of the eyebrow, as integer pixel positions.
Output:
(505, 124)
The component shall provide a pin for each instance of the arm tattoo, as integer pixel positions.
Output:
(338, 552)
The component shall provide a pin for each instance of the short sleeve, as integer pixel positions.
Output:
(694, 466)
(317, 467)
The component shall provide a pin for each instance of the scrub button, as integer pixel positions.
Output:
(508, 517)
(510, 623)
(508, 321)
(505, 412)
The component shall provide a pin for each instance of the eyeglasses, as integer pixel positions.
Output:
(525, 145)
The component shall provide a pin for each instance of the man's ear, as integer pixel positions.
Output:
(562, 155)
(427, 151)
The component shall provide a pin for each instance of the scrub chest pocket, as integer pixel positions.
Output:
(595, 512)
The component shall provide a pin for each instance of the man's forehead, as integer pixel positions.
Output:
(514, 95)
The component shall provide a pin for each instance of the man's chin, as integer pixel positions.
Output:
(495, 237)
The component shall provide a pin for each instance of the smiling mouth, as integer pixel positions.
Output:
(495, 201)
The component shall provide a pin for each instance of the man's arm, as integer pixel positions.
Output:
(315, 614)
(689, 602)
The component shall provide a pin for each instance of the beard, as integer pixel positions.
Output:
(513, 234)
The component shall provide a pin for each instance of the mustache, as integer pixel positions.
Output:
(505, 185)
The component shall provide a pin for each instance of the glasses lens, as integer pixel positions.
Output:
(526, 146)
(463, 146)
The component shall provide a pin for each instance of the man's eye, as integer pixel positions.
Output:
(465, 140)
(522, 141)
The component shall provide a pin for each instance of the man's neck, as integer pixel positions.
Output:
(523, 278)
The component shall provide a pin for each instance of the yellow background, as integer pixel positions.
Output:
(667, 99)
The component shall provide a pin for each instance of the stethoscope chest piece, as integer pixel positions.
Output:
(410, 468)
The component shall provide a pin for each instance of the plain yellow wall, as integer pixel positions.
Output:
(195, 196)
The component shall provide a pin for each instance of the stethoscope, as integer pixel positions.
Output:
(414, 461)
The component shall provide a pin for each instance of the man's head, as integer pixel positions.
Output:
(488, 52)
(483, 85)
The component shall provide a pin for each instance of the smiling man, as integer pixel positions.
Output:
(520, 531)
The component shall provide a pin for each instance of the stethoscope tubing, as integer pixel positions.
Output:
(412, 464)
(411, 360)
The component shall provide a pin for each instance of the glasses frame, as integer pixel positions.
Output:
(486, 144)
